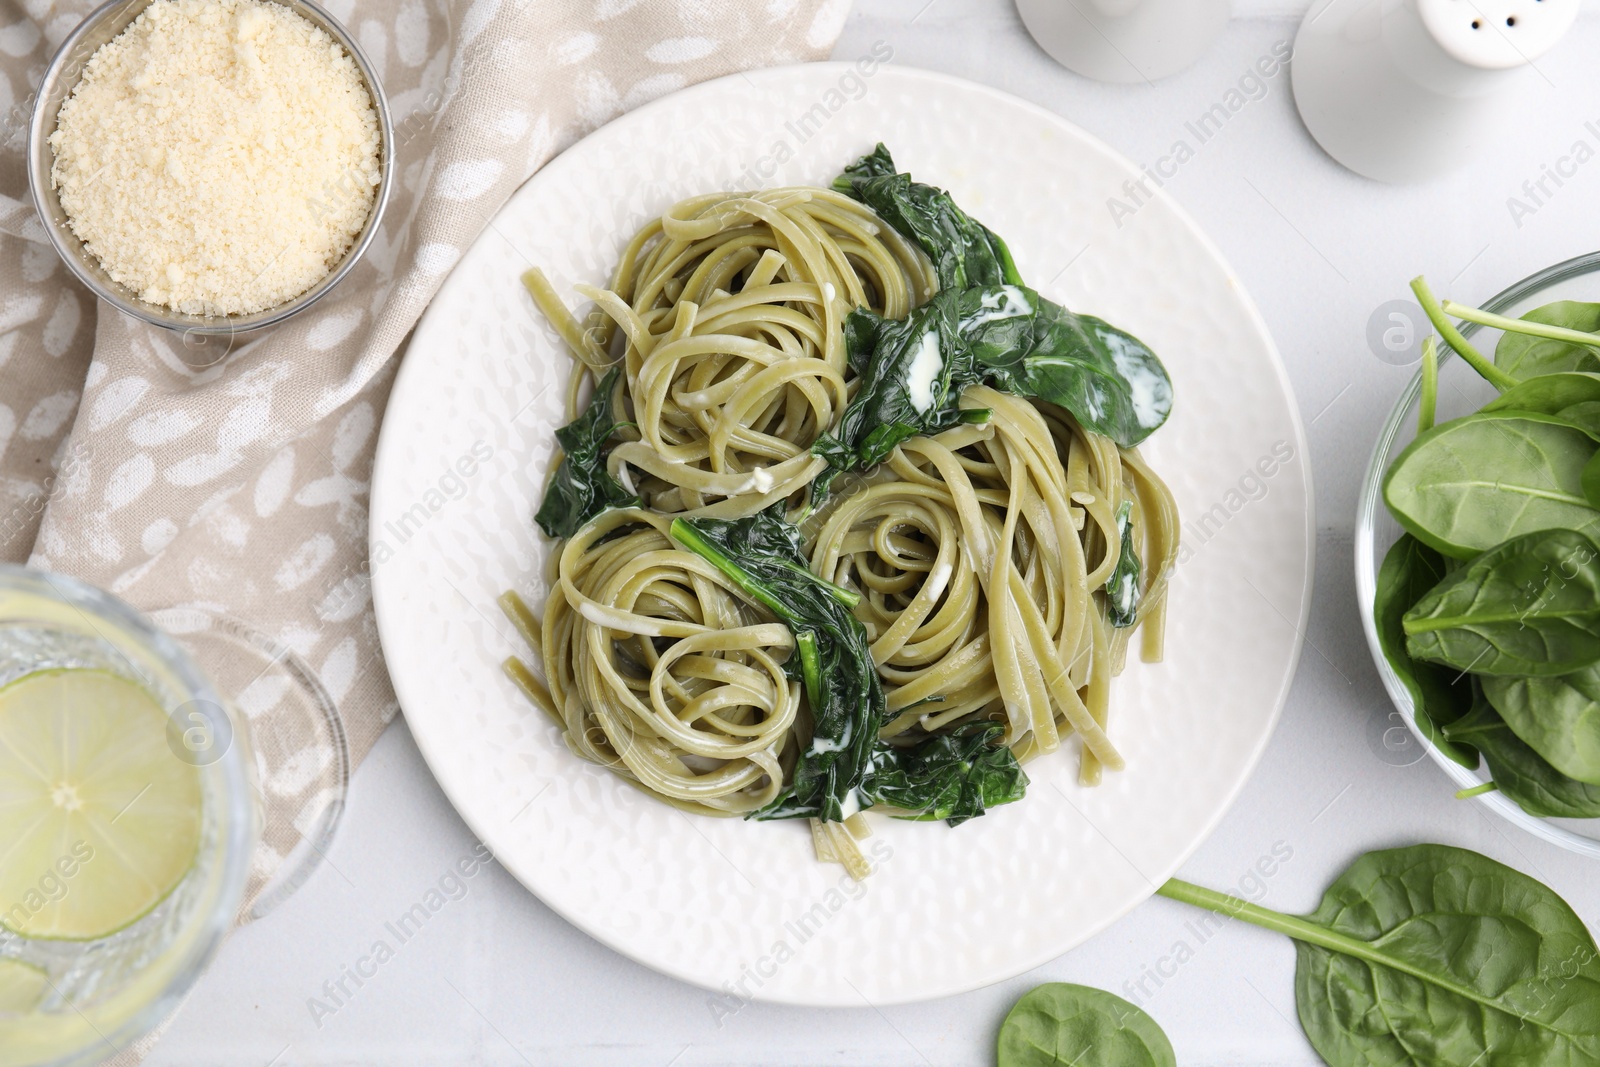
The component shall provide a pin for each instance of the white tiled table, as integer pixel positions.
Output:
(496, 978)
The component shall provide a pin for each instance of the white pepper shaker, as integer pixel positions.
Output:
(1404, 90)
(1124, 40)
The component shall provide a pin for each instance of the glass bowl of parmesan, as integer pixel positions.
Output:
(210, 166)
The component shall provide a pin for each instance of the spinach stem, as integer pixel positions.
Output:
(848, 597)
(1428, 407)
(686, 536)
(1526, 326)
(1311, 933)
(1476, 791)
(810, 665)
(1447, 329)
(690, 538)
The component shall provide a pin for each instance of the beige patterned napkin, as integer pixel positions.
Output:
(155, 469)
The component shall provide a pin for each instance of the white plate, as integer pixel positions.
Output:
(726, 903)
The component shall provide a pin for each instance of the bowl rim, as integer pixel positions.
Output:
(1368, 507)
(74, 253)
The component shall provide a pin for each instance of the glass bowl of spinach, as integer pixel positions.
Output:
(1477, 551)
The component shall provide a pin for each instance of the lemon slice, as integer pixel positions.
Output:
(22, 987)
(99, 820)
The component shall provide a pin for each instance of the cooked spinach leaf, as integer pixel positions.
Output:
(582, 487)
(1122, 588)
(761, 556)
(982, 326)
(1558, 717)
(1528, 606)
(1063, 1025)
(912, 371)
(1469, 484)
(1024, 344)
(1435, 956)
(954, 776)
(1521, 773)
(964, 251)
(1439, 695)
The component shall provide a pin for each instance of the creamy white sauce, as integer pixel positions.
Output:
(849, 805)
(759, 480)
(1121, 595)
(1152, 394)
(828, 291)
(1094, 401)
(820, 745)
(923, 374)
(1006, 303)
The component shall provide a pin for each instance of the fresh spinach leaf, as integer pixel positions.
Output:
(954, 776)
(1526, 777)
(1590, 480)
(582, 487)
(1439, 695)
(1524, 356)
(1122, 588)
(912, 371)
(1434, 956)
(1063, 1025)
(761, 556)
(1585, 415)
(1528, 606)
(1572, 397)
(965, 252)
(1467, 485)
(1559, 718)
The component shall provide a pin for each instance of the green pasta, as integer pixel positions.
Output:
(995, 569)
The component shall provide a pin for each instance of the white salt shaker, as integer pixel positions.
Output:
(1403, 90)
(1124, 40)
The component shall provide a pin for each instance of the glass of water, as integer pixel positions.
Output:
(128, 818)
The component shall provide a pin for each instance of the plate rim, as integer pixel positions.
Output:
(568, 158)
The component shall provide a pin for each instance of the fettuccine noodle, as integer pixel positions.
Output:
(982, 554)
(732, 309)
(1008, 527)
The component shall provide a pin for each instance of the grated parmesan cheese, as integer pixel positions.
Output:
(218, 157)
